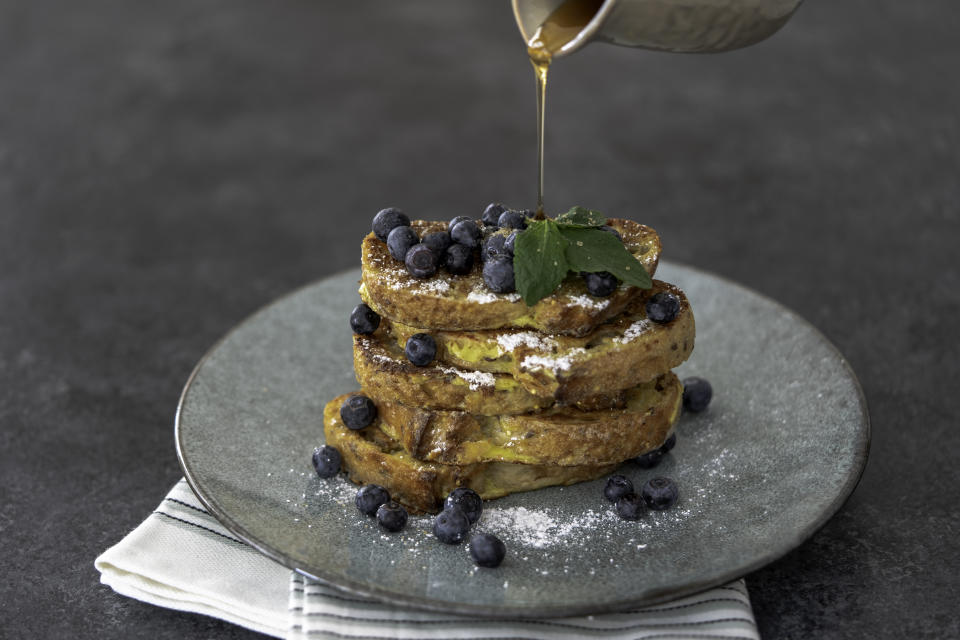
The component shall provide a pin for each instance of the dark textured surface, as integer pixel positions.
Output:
(167, 168)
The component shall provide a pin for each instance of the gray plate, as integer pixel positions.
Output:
(776, 454)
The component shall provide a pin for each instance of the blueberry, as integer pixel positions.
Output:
(459, 259)
(512, 219)
(487, 550)
(650, 459)
(387, 220)
(669, 443)
(499, 244)
(494, 246)
(400, 240)
(466, 233)
(326, 460)
(617, 486)
(392, 516)
(498, 274)
(364, 320)
(510, 241)
(370, 497)
(601, 284)
(468, 500)
(491, 215)
(421, 349)
(420, 261)
(630, 507)
(697, 394)
(663, 307)
(438, 241)
(610, 229)
(660, 493)
(358, 412)
(451, 525)
(455, 221)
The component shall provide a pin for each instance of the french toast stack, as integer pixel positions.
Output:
(516, 397)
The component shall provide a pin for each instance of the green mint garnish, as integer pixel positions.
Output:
(582, 217)
(539, 261)
(549, 249)
(596, 250)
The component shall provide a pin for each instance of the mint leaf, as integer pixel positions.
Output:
(581, 217)
(596, 250)
(539, 262)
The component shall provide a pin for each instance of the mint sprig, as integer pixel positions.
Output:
(548, 250)
(597, 250)
(581, 217)
(539, 260)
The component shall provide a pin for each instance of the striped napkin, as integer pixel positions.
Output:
(182, 558)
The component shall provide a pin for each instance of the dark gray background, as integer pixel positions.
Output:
(166, 168)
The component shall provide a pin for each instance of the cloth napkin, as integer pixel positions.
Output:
(180, 557)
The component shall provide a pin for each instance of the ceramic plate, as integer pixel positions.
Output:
(778, 451)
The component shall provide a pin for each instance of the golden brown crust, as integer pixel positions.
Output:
(622, 353)
(460, 303)
(385, 374)
(369, 456)
(561, 436)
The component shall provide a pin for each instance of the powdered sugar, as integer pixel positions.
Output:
(391, 274)
(475, 379)
(338, 490)
(541, 528)
(400, 281)
(377, 357)
(633, 331)
(588, 302)
(438, 286)
(510, 341)
(556, 363)
(480, 296)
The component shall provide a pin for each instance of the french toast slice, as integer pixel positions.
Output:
(560, 436)
(370, 456)
(386, 375)
(464, 303)
(618, 354)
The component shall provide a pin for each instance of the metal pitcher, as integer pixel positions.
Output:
(686, 26)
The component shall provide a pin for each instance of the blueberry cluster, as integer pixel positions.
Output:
(489, 240)
(461, 510)
(657, 494)
(373, 500)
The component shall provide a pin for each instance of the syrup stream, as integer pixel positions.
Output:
(560, 28)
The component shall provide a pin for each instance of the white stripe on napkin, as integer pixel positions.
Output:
(318, 611)
(182, 558)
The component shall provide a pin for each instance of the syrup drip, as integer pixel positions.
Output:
(560, 28)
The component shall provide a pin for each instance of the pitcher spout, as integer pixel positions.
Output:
(684, 26)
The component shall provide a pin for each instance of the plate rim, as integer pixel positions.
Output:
(860, 456)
